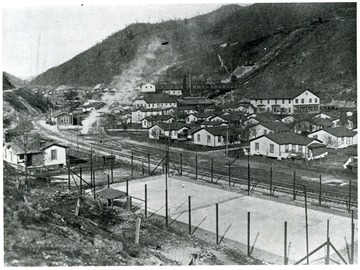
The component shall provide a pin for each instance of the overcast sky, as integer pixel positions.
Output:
(36, 38)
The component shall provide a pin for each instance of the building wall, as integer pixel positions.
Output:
(155, 132)
(64, 120)
(161, 105)
(203, 139)
(139, 103)
(258, 130)
(61, 156)
(173, 92)
(10, 156)
(264, 147)
(266, 105)
(190, 119)
(280, 151)
(146, 88)
(332, 141)
(306, 100)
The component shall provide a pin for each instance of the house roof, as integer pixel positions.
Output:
(351, 150)
(213, 123)
(288, 138)
(280, 94)
(158, 117)
(111, 194)
(60, 113)
(317, 145)
(156, 98)
(171, 126)
(32, 147)
(321, 122)
(340, 132)
(194, 101)
(275, 126)
(218, 131)
(204, 115)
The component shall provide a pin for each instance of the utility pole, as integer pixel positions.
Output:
(227, 141)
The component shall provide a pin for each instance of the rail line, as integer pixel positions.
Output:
(259, 182)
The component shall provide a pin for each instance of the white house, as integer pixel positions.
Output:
(283, 145)
(172, 130)
(38, 154)
(138, 115)
(155, 101)
(148, 88)
(337, 137)
(151, 120)
(214, 136)
(173, 92)
(286, 102)
(263, 128)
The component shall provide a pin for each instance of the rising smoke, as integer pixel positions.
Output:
(133, 74)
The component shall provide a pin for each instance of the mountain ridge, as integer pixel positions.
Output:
(214, 45)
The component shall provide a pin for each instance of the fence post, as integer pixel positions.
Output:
(229, 173)
(181, 171)
(149, 164)
(294, 186)
(217, 224)
(196, 168)
(68, 165)
(320, 191)
(189, 204)
(212, 170)
(248, 234)
(127, 187)
(80, 180)
(350, 195)
(166, 208)
(327, 257)
(270, 180)
(352, 242)
(306, 228)
(248, 178)
(132, 163)
(91, 168)
(285, 243)
(112, 168)
(94, 185)
(145, 200)
(108, 178)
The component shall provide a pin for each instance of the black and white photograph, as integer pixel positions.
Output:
(206, 133)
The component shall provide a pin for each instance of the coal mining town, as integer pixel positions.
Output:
(179, 134)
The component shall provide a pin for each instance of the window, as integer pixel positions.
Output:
(208, 138)
(265, 131)
(347, 140)
(310, 100)
(342, 140)
(296, 101)
(275, 101)
(302, 100)
(53, 154)
(198, 137)
(256, 146)
(219, 139)
(315, 136)
(271, 148)
(283, 101)
(286, 148)
(268, 101)
(315, 100)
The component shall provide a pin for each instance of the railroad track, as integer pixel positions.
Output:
(238, 179)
